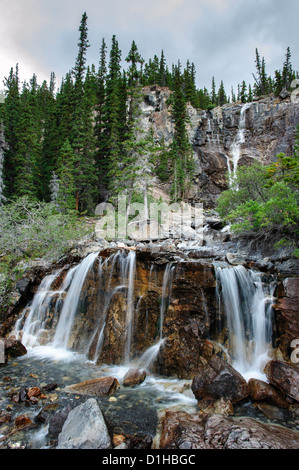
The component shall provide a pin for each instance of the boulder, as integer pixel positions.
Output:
(262, 391)
(286, 313)
(102, 386)
(285, 377)
(217, 379)
(181, 430)
(134, 377)
(235, 259)
(85, 428)
(14, 347)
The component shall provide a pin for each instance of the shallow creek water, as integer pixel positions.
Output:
(130, 411)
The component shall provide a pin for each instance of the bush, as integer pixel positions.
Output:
(36, 229)
(264, 199)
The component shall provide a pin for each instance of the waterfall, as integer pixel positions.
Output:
(36, 318)
(166, 292)
(247, 306)
(232, 163)
(71, 303)
(128, 273)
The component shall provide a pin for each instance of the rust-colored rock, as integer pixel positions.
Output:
(134, 377)
(285, 377)
(33, 392)
(262, 391)
(103, 386)
(22, 420)
(286, 314)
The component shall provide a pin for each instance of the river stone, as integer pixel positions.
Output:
(14, 347)
(181, 430)
(218, 379)
(284, 376)
(260, 391)
(85, 428)
(134, 377)
(99, 387)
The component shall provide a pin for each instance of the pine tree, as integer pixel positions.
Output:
(221, 96)
(243, 92)
(213, 92)
(2, 148)
(11, 119)
(66, 196)
(182, 157)
(82, 138)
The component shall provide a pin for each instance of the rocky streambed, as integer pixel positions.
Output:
(190, 396)
(46, 400)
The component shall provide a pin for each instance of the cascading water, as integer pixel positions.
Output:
(71, 303)
(232, 162)
(246, 304)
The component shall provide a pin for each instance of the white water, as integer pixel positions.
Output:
(166, 292)
(128, 273)
(232, 162)
(71, 303)
(246, 304)
(37, 316)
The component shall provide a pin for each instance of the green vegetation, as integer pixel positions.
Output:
(264, 199)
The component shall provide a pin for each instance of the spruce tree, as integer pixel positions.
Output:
(11, 115)
(182, 157)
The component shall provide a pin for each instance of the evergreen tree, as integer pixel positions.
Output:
(82, 137)
(213, 92)
(221, 96)
(243, 92)
(11, 116)
(65, 182)
(182, 157)
(2, 148)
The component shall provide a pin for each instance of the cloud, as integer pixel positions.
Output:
(219, 36)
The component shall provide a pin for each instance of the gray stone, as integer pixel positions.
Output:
(85, 428)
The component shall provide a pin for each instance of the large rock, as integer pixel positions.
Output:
(102, 386)
(85, 428)
(286, 313)
(285, 377)
(134, 377)
(14, 347)
(262, 391)
(217, 379)
(180, 430)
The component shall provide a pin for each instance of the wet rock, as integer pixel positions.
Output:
(102, 386)
(134, 377)
(221, 406)
(180, 430)
(235, 259)
(4, 417)
(22, 420)
(118, 439)
(217, 379)
(14, 347)
(286, 314)
(49, 387)
(85, 428)
(33, 392)
(140, 442)
(262, 391)
(285, 377)
(57, 421)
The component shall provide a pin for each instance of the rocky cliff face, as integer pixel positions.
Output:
(269, 128)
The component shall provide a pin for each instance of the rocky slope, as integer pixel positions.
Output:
(270, 128)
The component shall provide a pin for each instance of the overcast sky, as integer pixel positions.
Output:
(219, 36)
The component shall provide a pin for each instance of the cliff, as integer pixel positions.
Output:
(268, 127)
